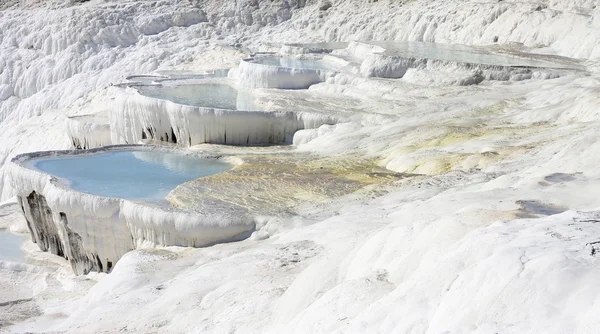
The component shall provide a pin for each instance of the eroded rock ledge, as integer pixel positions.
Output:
(94, 232)
(50, 230)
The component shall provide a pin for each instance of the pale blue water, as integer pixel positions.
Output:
(219, 96)
(147, 175)
(10, 247)
(292, 63)
(458, 53)
(175, 75)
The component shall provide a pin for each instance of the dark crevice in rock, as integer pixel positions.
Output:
(52, 234)
(173, 137)
(45, 231)
(77, 144)
(81, 261)
(99, 262)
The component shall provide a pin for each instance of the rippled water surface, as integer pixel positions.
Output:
(147, 175)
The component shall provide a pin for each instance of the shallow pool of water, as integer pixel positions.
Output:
(293, 63)
(10, 247)
(147, 175)
(458, 53)
(219, 96)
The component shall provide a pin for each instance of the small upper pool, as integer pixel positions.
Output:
(175, 75)
(209, 95)
(146, 175)
(459, 53)
(10, 247)
(293, 63)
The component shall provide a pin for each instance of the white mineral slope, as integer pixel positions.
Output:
(548, 24)
(505, 245)
(50, 58)
(504, 248)
(443, 254)
(54, 53)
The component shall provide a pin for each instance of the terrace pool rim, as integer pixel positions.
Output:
(23, 159)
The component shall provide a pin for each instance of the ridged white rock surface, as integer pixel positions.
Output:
(255, 75)
(155, 225)
(89, 131)
(499, 234)
(383, 66)
(133, 114)
(94, 232)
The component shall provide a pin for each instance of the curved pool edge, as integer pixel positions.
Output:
(136, 117)
(252, 74)
(94, 232)
(87, 131)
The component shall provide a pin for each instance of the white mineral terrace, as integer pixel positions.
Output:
(189, 108)
(292, 166)
(185, 122)
(282, 73)
(391, 59)
(89, 131)
(70, 215)
(93, 206)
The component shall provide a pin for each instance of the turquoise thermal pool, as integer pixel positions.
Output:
(135, 174)
(458, 53)
(220, 96)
